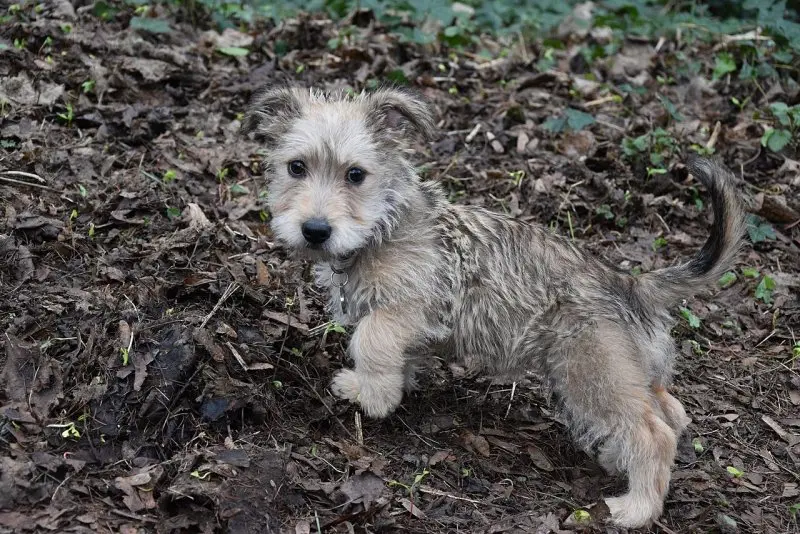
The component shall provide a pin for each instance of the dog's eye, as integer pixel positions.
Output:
(297, 168)
(355, 175)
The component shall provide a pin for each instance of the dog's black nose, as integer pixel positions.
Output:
(316, 231)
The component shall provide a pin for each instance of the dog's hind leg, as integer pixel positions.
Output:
(604, 389)
(672, 410)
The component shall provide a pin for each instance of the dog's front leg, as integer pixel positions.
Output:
(378, 347)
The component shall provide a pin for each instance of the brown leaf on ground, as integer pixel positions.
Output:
(365, 488)
(29, 378)
(474, 443)
(539, 458)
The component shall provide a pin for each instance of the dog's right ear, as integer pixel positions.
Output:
(271, 112)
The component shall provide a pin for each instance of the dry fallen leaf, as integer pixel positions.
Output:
(262, 273)
(475, 443)
(439, 456)
(788, 437)
(365, 488)
(411, 507)
(539, 459)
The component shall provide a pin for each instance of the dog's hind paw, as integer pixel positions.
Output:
(629, 512)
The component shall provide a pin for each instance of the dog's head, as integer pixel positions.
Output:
(337, 177)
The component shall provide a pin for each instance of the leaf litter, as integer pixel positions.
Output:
(165, 363)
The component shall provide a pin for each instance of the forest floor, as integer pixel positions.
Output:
(166, 364)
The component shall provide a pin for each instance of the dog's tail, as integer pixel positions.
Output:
(718, 252)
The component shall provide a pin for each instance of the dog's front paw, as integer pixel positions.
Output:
(378, 395)
(345, 385)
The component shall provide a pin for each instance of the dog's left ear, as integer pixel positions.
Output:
(393, 110)
(271, 112)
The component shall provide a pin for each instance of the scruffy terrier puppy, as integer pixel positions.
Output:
(409, 269)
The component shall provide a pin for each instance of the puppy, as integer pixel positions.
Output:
(409, 269)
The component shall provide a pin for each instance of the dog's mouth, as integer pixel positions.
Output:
(315, 251)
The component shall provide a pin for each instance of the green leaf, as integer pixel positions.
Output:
(239, 189)
(782, 56)
(746, 72)
(759, 230)
(335, 327)
(150, 25)
(691, 318)
(670, 107)
(765, 288)
(723, 64)
(605, 211)
(659, 242)
(415, 35)
(173, 213)
(750, 272)
(736, 473)
(452, 31)
(781, 112)
(727, 279)
(280, 47)
(555, 124)
(778, 139)
(631, 147)
(397, 76)
(104, 11)
(235, 51)
(698, 446)
(578, 120)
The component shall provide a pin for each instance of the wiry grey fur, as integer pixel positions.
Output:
(504, 295)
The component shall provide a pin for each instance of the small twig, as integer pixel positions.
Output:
(600, 101)
(319, 328)
(610, 125)
(21, 182)
(663, 527)
(26, 174)
(663, 222)
(499, 62)
(425, 441)
(52, 497)
(766, 338)
(230, 290)
(359, 428)
(237, 356)
(319, 527)
(439, 493)
(471, 135)
(714, 135)
(523, 47)
(511, 399)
